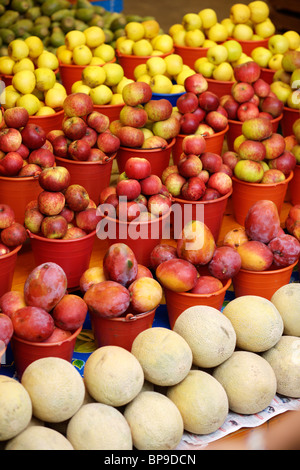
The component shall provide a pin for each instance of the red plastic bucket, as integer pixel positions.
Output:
(289, 117)
(130, 62)
(294, 186)
(267, 75)
(72, 73)
(110, 110)
(262, 283)
(18, 192)
(219, 87)
(50, 122)
(7, 269)
(120, 331)
(93, 176)
(141, 237)
(209, 212)
(26, 352)
(235, 130)
(245, 194)
(189, 55)
(178, 302)
(248, 46)
(214, 143)
(73, 256)
(159, 158)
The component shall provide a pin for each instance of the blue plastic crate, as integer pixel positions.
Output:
(110, 5)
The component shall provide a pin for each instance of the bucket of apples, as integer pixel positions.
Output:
(45, 319)
(268, 254)
(12, 236)
(123, 300)
(264, 168)
(195, 271)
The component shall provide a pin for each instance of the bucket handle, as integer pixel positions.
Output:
(130, 317)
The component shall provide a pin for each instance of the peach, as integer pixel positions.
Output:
(145, 294)
(177, 275)
(255, 256)
(196, 243)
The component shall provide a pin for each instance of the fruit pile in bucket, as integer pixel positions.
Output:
(12, 233)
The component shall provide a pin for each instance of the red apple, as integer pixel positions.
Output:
(42, 157)
(188, 123)
(4, 250)
(60, 146)
(10, 139)
(133, 116)
(187, 103)
(231, 107)
(79, 150)
(274, 145)
(193, 189)
(90, 136)
(158, 110)
(78, 104)
(242, 91)
(210, 194)
(252, 150)
(137, 168)
(230, 158)
(247, 72)
(195, 83)
(56, 178)
(272, 105)
(108, 142)
(129, 189)
(23, 151)
(129, 210)
(70, 312)
(221, 182)
(51, 203)
(211, 161)
(193, 144)
(51, 135)
(74, 127)
(54, 227)
(30, 169)
(216, 120)
(98, 121)
(208, 101)
(96, 155)
(76, 197)
(151, 185)
(159, 205)
(7, 216)
(33, 136)
(14, 235)
(154, 142)
(261, 88)
(247, 111)
(136, 93)
(189, 166)
(286, 162)
(205, 130)
(174, 183)
(11, 164)
(16, 117)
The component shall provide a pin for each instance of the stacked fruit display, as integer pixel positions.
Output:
(12, 234)
(198, 175)
(250, 95)
(144, 39)
(250, 22)
(25, 150)
(263, 157)
(143, 122)
(33, 78)
(61, 210)
(286, 80)
(50, 317)
(292, 222)
(271, 57)
(138, 195)
(124, 287)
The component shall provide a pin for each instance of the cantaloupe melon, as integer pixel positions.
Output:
(113, 375)
(155, 422)
(284, 358)
(256, 321)
(39, 438)
(97, 426)
(287, 301)
(15, 408)
(209, 334)
(249, 381)
(164, 355)
(202, 402)
(55, 387)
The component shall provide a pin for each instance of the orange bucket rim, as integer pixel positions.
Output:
(268, 185)
(48, 345)
(60, 240)
(190, 295)
(137, 57)
(219, 199)
(291, 110)
(11, 253)
(156, 150)
(265, 69)
(20, 178)
(187, 48)
(270, 271)
(210, 137)
(108, 106)
(130, 317)
(250, 42)
(57, 113)
(75, 162)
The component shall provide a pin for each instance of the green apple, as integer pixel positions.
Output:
(242, 32)
(293, 38)
(275, 63)
(174, 64)
(114, 74)
(156, 65)
(278, 44)
(293, 100)
(234, 50)
(261, 55)
(217, 54)
(161, 84)
(295, 79)
(194, 38)
(229, 25)
(223, 72)
(178, 37)
(205, 68)
(217, 33)
(191, 21)
(208, 17)
(265, 29)
(259, 11)
(282, 90)
(240, 13)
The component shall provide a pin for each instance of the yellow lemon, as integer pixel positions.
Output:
(105, 52)
(7, 65)
(24, 81)
(45, 111)
(82, 55)
(74, 38)
(29, 102)
(45, 78)
(47, 59)
(93, 75)
(23, 64)
(95, 36)
(35, 45)
(54, 98)
(134, 30)
(18, 49)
